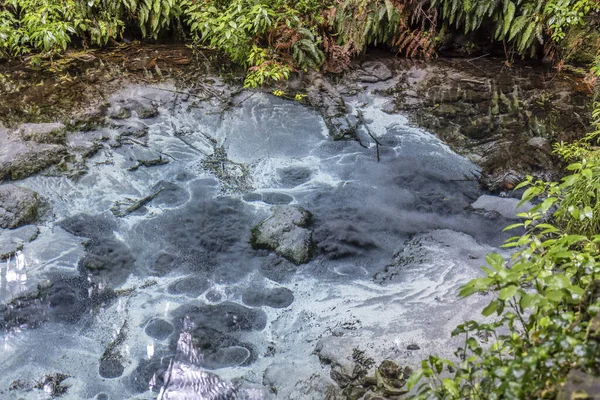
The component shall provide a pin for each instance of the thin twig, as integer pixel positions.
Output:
(137, 205)
(191, 146)
(146, 146)
(477, 58)
(473, 81)
(180, 92)
(362, 121)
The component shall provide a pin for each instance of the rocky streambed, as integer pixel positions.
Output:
(220, 244)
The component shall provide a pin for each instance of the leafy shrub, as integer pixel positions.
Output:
(301, 34)
(545, 296)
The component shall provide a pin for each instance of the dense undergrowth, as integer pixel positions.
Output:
(275, 37)
(546, 298)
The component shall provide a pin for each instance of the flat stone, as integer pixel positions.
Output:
(50, 133)
(18, 206)
(20, 159)
(375, 71)
(124, 110)
(539, 142)
(284, 232)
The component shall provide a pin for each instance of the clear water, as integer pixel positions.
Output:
(181, 307)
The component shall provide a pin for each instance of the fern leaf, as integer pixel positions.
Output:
(539, 33)
(389, 6)
(517, 26)
(508, 17)
(527, 37)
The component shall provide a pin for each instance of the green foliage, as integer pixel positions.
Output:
(306, 52)
(303, 34)
(27, 24)
(263, 69)
(241, 27)
(49, 25)
(544, 299)
(524, 23)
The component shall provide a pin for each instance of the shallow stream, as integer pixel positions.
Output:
(146, 283)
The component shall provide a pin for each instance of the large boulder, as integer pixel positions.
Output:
(18, 206)
(285, 233)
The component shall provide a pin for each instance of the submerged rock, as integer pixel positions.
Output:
(342, 234)
(18, 206)
(61, 300)
(13, 240)
(210, 349)
(192, 286)
(159, 329)
(294, 176)
(89, 226)
(214, 227)
(285, 233)
(275, 298)
(225, 317)
(108, 260)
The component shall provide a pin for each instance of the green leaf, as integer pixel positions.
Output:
(528, 299)
(495, 260)
(557, 281)
(555, 296)
(570, 180)
(546, 204)
(490, 309)
(507, 292)
(523, 184)
(451, 386)
(517, 26)
(512, 226)
(529, 193)
(508, 17)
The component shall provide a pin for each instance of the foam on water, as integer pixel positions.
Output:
(395, 237)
